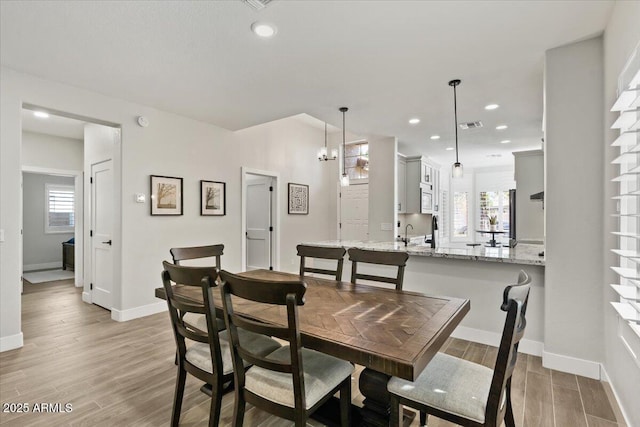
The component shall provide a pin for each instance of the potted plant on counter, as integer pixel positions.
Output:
(493, 222)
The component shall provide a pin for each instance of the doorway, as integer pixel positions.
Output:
(260, 220)
(53, 139)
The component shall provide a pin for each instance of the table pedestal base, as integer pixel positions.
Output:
(376, 409)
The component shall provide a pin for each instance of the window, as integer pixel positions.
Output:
(494, 203)
(460, 214)
(59, 209)
(357, 160)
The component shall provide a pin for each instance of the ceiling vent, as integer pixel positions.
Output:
(257, 4)
(470, 125)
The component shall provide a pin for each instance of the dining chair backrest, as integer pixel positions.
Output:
(197, 252)
(515, 299)
(281, 293)
(203, 277)
(398, 259)
(307, 251)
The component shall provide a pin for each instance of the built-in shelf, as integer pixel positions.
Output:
(627, 312)
(627, 273)
(626, 253)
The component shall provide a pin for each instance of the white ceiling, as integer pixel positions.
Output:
(387, 61)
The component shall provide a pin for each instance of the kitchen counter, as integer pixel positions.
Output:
(526, 254)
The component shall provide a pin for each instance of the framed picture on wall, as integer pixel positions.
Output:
(166, 195)
(213, 198)
(298, 199)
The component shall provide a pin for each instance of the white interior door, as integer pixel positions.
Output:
(259, 223)
(102, 228)
(354, 212)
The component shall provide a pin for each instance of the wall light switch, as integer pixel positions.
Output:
(140, 198)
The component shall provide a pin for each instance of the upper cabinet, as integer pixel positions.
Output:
(421, 185)
(402, 184)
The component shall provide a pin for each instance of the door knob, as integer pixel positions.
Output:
(108, 242)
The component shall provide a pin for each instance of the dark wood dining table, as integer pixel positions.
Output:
(388, 332)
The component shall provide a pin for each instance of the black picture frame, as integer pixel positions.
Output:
(213, 198)
(166, 195)
(298, 199)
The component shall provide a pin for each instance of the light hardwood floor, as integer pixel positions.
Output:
(122, 374)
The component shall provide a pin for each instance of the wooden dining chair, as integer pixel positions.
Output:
(306, 251)
(193, 253)
(197, 252)
(398, 259)
(205, 354)
(464, 392)
(293, 381)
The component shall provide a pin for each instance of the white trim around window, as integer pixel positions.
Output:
(59, 208)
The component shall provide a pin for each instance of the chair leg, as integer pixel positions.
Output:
(216, 404)
(509, 421)
(394, 420)
(423, 418)
(345, 403)
(177, 397)
(238, 409)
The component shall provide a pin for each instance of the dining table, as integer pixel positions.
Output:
(389, 332)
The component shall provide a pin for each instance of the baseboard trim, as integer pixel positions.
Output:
(11, 342)
(44, 266)
(572, 365)
(605, 378)
(535, 348)
(137, 312)
(86, 297)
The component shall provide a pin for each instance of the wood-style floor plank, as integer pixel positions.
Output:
(123, 374)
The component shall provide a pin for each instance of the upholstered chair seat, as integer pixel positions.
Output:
(449, 384)
(322, 373)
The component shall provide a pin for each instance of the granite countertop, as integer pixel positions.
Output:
(523, 253)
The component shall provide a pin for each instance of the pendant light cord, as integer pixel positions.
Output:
(455, 118)
(344, 144)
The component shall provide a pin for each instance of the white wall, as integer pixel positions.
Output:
(175, 146)
(51, 152)
(40, 249)
(529, 175)
(382, 188)
(574, 202)
(620, 38)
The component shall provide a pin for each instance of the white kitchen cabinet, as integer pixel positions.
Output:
(421, 185)
(402, 184)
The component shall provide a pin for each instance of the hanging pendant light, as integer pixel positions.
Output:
(322, 153)
(456, 168)
(344, 180)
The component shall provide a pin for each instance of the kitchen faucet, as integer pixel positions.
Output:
(406, 241)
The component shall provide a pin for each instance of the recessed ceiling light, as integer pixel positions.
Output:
(449, 148)
(435, 136)
(414, 121)
(501, 127)
(263, 29)
(505, 141)
(41, 114)
(491, 106)
(494, 155)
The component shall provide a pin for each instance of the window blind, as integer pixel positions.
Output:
(59, 213)
(628, 200)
